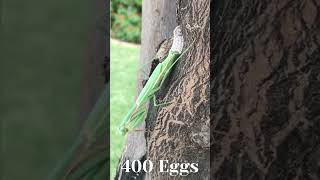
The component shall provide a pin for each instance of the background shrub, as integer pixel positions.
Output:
(126, 20)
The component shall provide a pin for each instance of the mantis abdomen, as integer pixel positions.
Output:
(137, 112)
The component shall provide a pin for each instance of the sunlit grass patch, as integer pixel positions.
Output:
(124, 61)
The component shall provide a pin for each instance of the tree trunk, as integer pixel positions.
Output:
(178, 130)
(158, 23)
(265, 90)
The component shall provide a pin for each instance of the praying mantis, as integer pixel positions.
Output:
(138, 111)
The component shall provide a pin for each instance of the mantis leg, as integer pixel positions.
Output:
(153, 63)
(175, 61)
(141, 130)
(137, 118)
(153, 96)
(145, 75)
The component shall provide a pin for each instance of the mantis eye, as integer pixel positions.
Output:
(123, 130)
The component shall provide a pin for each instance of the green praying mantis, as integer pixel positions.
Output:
(138, 111)
(88, 156)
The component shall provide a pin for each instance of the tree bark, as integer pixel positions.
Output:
(178, 130)
(265, 90)
(158, 23)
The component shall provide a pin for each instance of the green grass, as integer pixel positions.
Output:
(123, 70)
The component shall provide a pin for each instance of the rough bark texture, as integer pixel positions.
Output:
(265, 90)
(179, 132)
(158, 22)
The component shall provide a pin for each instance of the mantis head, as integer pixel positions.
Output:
(125, 123)
(123, 130)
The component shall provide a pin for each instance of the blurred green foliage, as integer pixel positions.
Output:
(126, 20)
(43, 45)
